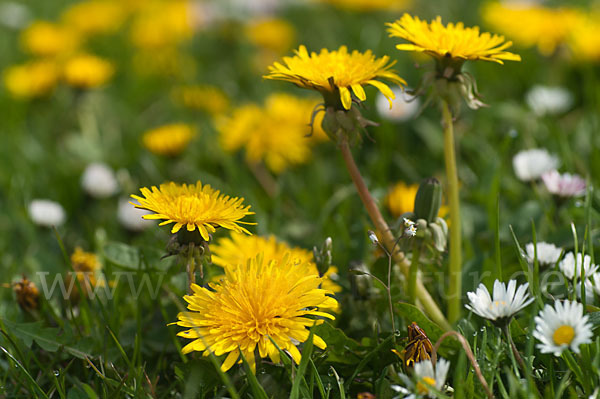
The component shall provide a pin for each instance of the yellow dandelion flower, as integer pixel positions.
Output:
(531, 25)
(95, 17)
(370, 5)
(206, 98)
(453, 41)
(86, 71)
(162, 23)
(274, 34)
(239, 248)
(275, 133)
(168, 140)
(84, 261)
(194, 206)
(257, 302)
(584, 38)
(401, 198)
(30, 80)
(47, 39)
(336, 73)
(27, 293)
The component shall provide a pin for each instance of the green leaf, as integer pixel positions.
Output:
(257, 390)
(122, 255)
(434, 332)
(306, 353)
(594, 319)
(49, 339)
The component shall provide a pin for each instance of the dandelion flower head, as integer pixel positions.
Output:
(257, 302)
(195, 206)
(168, 140)
(87, 71)
(237, 249)
(337, 74)
(47, 39)
(31, 80)
(454, 41)
(205, 98)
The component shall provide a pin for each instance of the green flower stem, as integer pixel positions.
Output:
(413, 273)
(190, 265)
(455, 269)
(388, 240)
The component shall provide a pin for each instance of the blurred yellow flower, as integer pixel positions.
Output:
(30, 80)
(370, 5)
(275, 133)
(162, 23)
(95, 17)
(47, 39)
(227, 252)
(86, 71)
(274, 34)
(401, 198)
(166, 61)
(531, 24)
(194, 206)
(168, 140)
(584, 38)
(455, 42)
(260, 306)
(205, 98)
(335, 73)
(84, 261)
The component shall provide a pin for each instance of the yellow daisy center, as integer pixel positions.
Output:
(563, 335)
(424, 385)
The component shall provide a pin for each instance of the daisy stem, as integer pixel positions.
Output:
(455, 268)
(431, 308)
(514, 349)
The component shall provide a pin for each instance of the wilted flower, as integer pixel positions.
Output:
(99, 181)
(194, 206)
(259, 304)
(28, 295)
(404, 106)
(562, 326)
(86, 71)
(507, 301)
(532, 164)
(546, 100)
(168, 140)
(84, 261)
(31, 80)
(565, 185)
(547, 254)
(46, 213)
(571, 268)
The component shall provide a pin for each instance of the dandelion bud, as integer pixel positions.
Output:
(28, 296)
(428, 200)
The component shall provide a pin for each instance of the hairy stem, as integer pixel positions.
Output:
(431, 308)
(413, 273)
(455, 269)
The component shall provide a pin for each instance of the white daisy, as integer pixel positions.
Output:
(572, 269)
(99, 181)
(507, 300)
(532, 164)
(562, 326)
(547, 254)
(565, 185)
(425, 377)
(46, 213)
(546, 100)
(404, 106)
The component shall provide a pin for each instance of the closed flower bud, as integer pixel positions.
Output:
(428, 200)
